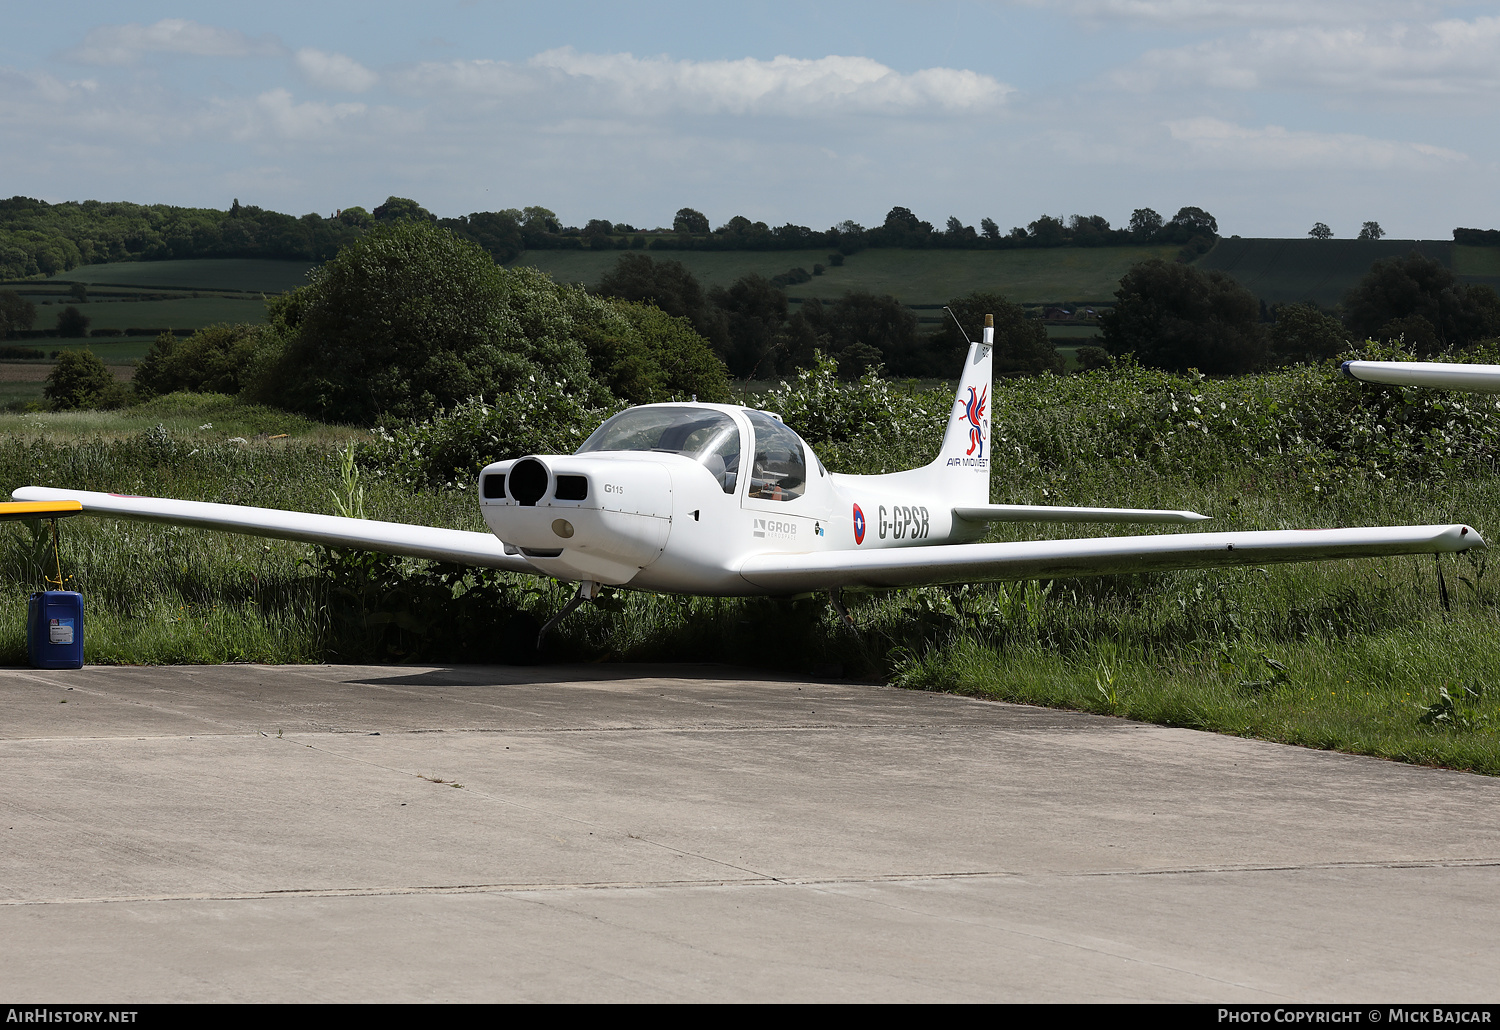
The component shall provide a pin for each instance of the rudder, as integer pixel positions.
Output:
(961, 472)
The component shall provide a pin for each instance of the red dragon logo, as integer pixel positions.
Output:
(973, 413)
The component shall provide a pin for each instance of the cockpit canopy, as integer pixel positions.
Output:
(709, 437)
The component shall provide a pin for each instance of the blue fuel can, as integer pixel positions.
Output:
(54, 629)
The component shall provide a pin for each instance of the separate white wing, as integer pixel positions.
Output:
(1058, 513)
(454, 545)
(1048, 559)
(1437, 375)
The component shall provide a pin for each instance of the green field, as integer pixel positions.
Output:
(187, 313)
(159, 294)
(1321, 271)
(163, 294)
(1478, 265)
(248, 274)
(110, 350)
(1072, 334)
(913, 276)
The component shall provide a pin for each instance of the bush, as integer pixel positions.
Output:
(411, 319)
(1021, 343)
(643, 355)
(80, 380)
(1398, 294)
(1090, 358)
(71, 322)
(217, 359)
(1303, 333)
(448, 448)
(16, 313)
(1174, 317)
(867, 426)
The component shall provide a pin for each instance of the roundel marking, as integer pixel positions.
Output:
(859, 525)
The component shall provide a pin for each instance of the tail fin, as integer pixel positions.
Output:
(961, 472)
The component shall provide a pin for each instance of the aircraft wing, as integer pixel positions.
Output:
(1437, 375)
(453, 545)
(38, 510)
(1057, 513)
(1049, 559)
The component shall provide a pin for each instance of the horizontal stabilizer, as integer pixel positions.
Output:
(1057, 513)
(1435, 375)
(1058, 559)
(451, 545)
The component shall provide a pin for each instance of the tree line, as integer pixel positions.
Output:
(753, 328)
(1173, 316)
(411, 319)
(38, 238)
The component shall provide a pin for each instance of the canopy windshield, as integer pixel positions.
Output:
(709, 437)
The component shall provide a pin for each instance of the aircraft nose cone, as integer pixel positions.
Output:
(528, 481)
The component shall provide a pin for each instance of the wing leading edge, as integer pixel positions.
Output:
(454, 545)
(1435, 375)
(1059, 513)
(1049, 559)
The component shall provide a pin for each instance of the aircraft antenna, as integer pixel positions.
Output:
(959, 324)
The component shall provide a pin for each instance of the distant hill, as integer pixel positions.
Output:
(244, 275)
(920, 278)
(1323, 271)
(188, 294)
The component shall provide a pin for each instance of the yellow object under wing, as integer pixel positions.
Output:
(11, 510)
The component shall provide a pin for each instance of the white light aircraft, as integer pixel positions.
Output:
(1436, 375)
(716, 499)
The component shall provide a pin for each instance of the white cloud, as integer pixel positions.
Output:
(334, 71)
(1274, 147)
(126, 44)
(749, 86)
(277, 110)
(24, 88)
(1445, 58)
(1194, 13)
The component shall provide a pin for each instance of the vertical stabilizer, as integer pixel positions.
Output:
(961, 473)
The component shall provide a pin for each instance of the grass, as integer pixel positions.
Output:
(183, 313)
(16, 395)
(1478, 265)
(193, 421)
(254, 274)
(913, 276)
(1277, 271)
(112, 350)
(1354, 655)
(713, 268)
(1321, 271)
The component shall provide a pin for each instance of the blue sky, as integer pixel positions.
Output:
(1271, 114)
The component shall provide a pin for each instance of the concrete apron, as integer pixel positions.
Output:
(623, 833)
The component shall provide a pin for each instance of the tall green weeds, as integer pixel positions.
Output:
(1356, 655)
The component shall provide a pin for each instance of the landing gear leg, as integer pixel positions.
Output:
(1442, 586)
(587, 591)
(836, 598)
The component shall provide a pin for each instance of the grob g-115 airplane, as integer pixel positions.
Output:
(716, 499)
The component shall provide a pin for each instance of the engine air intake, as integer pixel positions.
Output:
(572, 488)
(528, 481)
